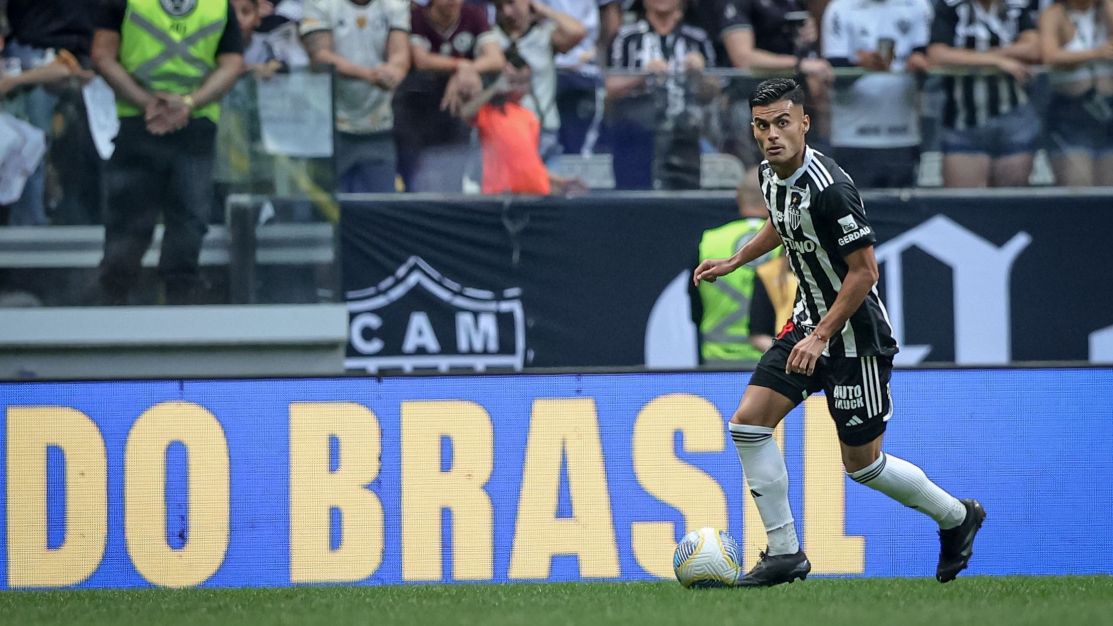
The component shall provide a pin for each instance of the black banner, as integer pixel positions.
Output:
(506, 284)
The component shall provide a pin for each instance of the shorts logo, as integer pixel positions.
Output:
(848, 224)
(178, 8)
(848, 397)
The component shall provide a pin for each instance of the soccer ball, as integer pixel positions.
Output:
(707, 558)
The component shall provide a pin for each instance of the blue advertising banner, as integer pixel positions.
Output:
(519, 478)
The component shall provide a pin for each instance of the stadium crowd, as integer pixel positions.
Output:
(448, 95)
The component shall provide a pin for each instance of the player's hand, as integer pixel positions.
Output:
(805, 354)
(711, 269)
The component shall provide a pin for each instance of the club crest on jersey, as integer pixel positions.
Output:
(178, 8)
(792, 211)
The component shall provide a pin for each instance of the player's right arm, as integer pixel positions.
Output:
(762, 243)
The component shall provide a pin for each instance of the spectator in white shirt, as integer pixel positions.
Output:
(367, 41)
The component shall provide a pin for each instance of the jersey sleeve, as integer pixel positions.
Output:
(399, 15)
(617, 57)
(231, 41)
(921, 28)
(735, 14)
(842, 211)
(110, 15)
(944, 23)
(836, 33)
(317, 17)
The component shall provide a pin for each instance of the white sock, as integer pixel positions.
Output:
(767, 478)
(907, 484)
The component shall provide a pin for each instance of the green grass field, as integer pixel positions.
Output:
(1073, 601)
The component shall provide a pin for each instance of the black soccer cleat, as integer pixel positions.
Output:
(956, 545)
(774, 570)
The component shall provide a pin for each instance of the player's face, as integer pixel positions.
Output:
(779, 129)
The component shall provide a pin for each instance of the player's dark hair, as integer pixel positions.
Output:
(776, 89)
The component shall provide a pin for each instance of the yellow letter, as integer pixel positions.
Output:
(831, 551)
(30, 431)
(145, 494)
(672, 481)
(314, 490)
(754, 539)
(426, 490)
(568, 427)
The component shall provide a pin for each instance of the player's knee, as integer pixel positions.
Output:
(749, 417)
(855, 458)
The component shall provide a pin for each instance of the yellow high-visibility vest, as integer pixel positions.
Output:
(170, 46)
(725, 325)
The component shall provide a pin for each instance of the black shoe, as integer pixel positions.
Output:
(956, 545)
(774, 570)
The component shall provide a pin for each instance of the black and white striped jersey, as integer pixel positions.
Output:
(968, 25)
(819, 215)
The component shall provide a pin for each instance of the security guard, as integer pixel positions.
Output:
(169, 62)
(722, 309)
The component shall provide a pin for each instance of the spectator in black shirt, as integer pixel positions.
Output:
(990, 127)
(656, 125)
(163, 163)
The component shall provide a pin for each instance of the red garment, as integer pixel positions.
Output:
(511, 139)
(459, 40)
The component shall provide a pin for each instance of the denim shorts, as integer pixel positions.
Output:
(1081, 124)
(1015, 132)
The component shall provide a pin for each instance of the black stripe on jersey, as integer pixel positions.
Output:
(813, 253)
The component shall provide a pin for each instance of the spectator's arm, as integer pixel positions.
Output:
(229, 66)
(1025, 49)
(426, 60)
(489, 58)
(610, 18)
(397, 60)
(568, 32)
(318, 44)
(739, 43)
(470, 109)
(105, 54)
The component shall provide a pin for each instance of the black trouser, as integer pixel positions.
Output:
(149, 176)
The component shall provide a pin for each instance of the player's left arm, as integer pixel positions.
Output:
(861, 276)
(842, 211)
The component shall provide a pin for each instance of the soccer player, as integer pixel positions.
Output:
(839, 340)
